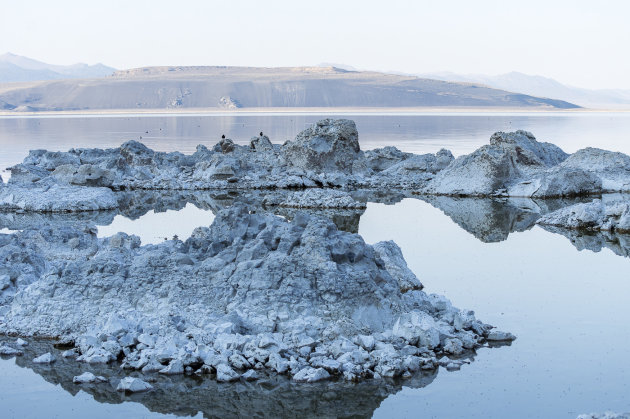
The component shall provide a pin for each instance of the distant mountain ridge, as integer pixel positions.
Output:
(258, 87)
(16, 68)
(542, 87)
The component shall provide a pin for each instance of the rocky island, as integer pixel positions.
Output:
(256, 294)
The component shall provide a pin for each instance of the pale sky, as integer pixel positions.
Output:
(583, 43)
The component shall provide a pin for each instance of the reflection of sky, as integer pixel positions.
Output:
(154, 227)
(568, 309)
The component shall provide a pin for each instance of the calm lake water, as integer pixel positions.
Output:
(568, 307)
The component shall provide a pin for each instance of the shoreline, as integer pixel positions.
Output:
(411, 111)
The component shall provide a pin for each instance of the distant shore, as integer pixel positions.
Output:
(299, 111)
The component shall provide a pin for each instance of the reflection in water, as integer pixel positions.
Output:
(158, 215)
(272, 396)
(595, 241)
(489, 220)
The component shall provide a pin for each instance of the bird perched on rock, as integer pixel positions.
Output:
(261, 134)
(223, 137)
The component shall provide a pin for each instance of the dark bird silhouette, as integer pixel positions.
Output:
(261, 133)
(223, 136)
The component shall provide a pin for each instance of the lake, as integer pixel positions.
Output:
(568, 307)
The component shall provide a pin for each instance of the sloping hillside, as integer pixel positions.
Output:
(252, 87)
(16, 68)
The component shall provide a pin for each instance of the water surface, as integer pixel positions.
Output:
(567, 306)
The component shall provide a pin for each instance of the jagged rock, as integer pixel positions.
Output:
(133, 385)
(226, 374)
(314, 198)
(56, 198)
(329, 145)
(395, 264)
(88, 377)
(261, 144)
(613, 169)
(610, 215)
(411, 172)
(250, 375)
(21, 342)
(225, 145)
(311, 375)
(491, 169)
(256, 285)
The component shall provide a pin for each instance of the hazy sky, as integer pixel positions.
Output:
(583, 43)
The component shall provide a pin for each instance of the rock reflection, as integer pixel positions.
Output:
(490, 220)
(272, 396)
(619, 244)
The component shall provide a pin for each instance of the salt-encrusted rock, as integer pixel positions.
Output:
(133, 385)
(173, 368)
(46, 358)
(395, 264)
(21, 342)
(383, 158)
(314, 198)
(329, 145)
(613, 169)
(610, 215)
(586, 172)
(557, 182)
(410, 172)
(225, 145)
(261, 144)
(250, 375)
(257, 291)
(491, 169)
(311, 375)
(226, 374)
(56, 198)
(6, 350)
(88, 377)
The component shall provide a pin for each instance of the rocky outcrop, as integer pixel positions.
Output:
(328, 146)
(600, 214)
(55, 198)
(491, 169)
(314, 198)
(253, 291)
